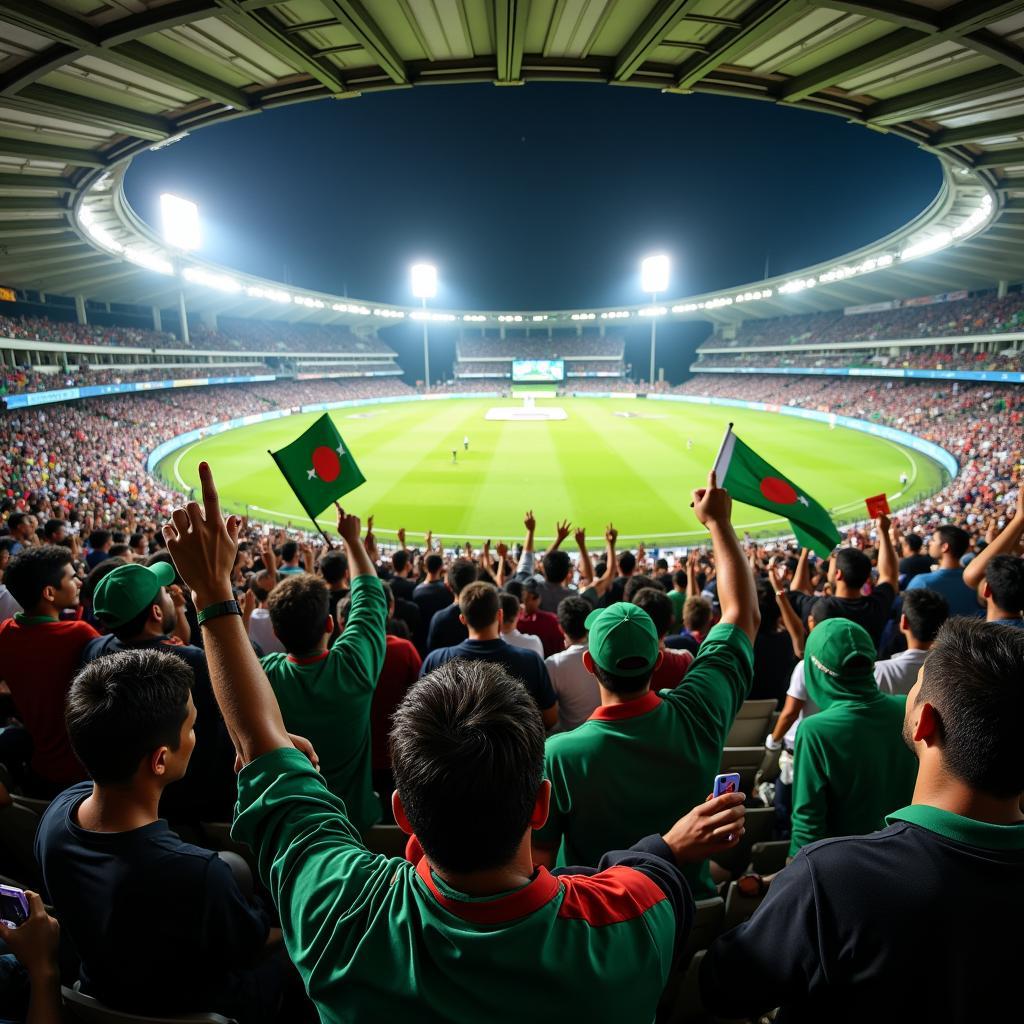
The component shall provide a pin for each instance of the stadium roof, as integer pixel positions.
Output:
(87, 84)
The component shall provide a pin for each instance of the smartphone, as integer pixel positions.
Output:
(13, 906)
(728, 783)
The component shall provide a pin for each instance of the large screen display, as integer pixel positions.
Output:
(538, 371)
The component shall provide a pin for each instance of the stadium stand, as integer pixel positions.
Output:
(587, 354)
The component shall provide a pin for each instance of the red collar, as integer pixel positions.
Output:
(308, 661)
(629, 709)
(500, 910)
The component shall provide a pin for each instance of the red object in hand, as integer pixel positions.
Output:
(877, 506)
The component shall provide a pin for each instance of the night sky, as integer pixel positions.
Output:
(544, 196)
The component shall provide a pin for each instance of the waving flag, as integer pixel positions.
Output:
(748, 478)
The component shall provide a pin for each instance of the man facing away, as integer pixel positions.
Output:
(905, 924)
(432, 594)
(446, 627)
(997, 574)
(575, 686)
(473, 929)
(922, 615)
(510, 610)
(948, 545)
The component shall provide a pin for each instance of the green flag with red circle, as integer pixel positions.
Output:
(748, 478)
(318, 466)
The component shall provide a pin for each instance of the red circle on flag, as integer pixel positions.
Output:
(778, 491)
(326, 463)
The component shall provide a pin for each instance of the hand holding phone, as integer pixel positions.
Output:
(728, 783)
(13, 906)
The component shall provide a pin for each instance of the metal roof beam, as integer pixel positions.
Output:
(123, 120)
(920, 101)
(763, 19)
(976, 132)
(894, 11)
(76, 284)
(1000, 157)
(509, 36)
(649, 35)
(44, 151)
(34, 182)
(53, 203)
(354, 18)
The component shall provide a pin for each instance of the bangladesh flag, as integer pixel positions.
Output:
(318, 466)
(748, 478)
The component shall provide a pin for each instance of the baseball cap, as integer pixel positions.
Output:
(619, 635)
(124, 592)
(839, 662)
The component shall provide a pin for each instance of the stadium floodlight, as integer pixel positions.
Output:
(180, 219)
(653, 279)
(424, 280)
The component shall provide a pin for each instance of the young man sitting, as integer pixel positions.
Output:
(325, 693)
(160, 925)
(474, 930)
(510, 611)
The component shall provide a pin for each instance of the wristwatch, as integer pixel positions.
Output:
(213, 611)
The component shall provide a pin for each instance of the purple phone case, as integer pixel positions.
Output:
(722, 780)
(9, 892)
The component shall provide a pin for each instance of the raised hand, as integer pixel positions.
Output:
(530, 522)
(712, 504)
(562, 530)
(611, 535)
(248, 607)
(580, 536)
(502, 550)
(709, 828)
(349, 528)
(401, 537)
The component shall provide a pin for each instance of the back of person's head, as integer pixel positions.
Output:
(298, 608)
(32, 570)
(515, 588)
(433, 564)
(855, 567)
(627, 563)
(914, 542)
(16, 520)
(53, 527)
(467, 749)
(957, 540)
(136, 539)
(479, 605)
(259, 584)
(509, 607)
(124, 706)
(637, 583)
(655, 602)
(333, 567)
(461, 573)
(97, 573)
(98, 538)
(572, 616)
(341, 612)
(661, 565)
(1005, 578)
(697, 612)
(623, 647)
(289, 549)
(926, 611)
(399, 560)
(972, 678)
(119, 550)
(679, 579)
(557, 564)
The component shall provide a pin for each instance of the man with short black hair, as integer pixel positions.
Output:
(99, 544)
(677, 595)
(997, 573)
(534, 621)
(334, 570)
(55, 531)
(22, 528)
(947, 546)
(288, 564)
(510, 610)
(446, 627)
(922, 615)
(913, 562)
(432, 594)
(674, 664)
(121, 880)
(481, 614)
(401, 581)
(852, 930)
(575, 687)
(39, 654)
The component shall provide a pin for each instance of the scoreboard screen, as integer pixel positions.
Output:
(538, 371)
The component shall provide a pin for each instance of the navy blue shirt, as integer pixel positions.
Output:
(431, 598)
(526, 666)
(445, 629)
(160, 925)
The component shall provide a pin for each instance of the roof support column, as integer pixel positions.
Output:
(1002, 289)
(80, 309)
(157, 325)
(183, 317)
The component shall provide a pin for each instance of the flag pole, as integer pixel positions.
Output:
(327, 540)
(721, 449)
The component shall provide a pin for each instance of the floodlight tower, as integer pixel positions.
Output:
(424, 286)
(180, 218)
(653, 279)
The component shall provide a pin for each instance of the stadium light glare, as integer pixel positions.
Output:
(271, 294)
(654, 272)
(424, 280)
(308, 301)
(474, 318)
(149, 260)
(654, 311)
(219, 282)
(180, 218)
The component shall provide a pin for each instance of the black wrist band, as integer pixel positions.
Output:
(213, 611)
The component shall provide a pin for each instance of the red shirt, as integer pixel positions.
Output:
(401, 669)
(669, 674)
(38, 659)
(544, 625)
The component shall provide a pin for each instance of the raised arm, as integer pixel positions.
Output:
(888, 563)
(562, 530)
(527, 559)
(736, 594)
(1005, 544)
(202, 544)
(586, 567)
(692, 588)
(601, 585)
(359, 563)
(802, 575)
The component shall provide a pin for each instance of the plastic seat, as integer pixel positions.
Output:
(738, 907)
(767, 858)
(751, 724)
(707, 924)
(80, 1007)
(216, 835)
(387, 839)
(746, 761)
(35, 805)
(758, 828)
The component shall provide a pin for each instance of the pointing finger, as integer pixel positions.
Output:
(211, 500)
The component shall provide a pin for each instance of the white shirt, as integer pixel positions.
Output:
(576, 689)
(899, 673)
(798, 689)
(262, 632)
(529, 643)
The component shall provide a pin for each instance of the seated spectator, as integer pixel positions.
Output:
(432, 594)
(642, 754)
(481, 614)
(574, 685)
(123, 883)
(39, 655)
(21, 527)
(850, 765)
(914, 560)
(378, 939)
(535, 622)
(325, 693)
(510, 610)
(141, 608)
(446, 627)
(30, 972)
(674, 664)
(922, 615)
(847, 925)
(947, 547)
(997, 573)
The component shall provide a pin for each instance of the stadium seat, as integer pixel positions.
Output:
(746, 761)
(738, 907)
(751, 724)
(18, 825)
(216, 835)
(758, 828)
(36, 806)
(80, 1007)
(707, 924)
(387, 839)
(767, 858)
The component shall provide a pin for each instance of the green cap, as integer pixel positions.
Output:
(125, 591)
(839, 662)
(619, 635)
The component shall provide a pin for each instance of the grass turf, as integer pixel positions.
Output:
(618, 460)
